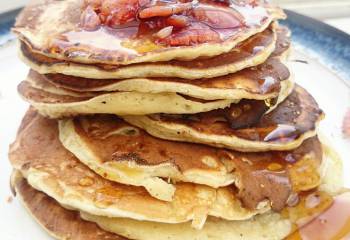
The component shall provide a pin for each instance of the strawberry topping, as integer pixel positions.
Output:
(217, 17)
(195, 34)
(164, 11)
(171, 22)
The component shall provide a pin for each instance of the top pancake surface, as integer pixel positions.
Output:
(53, 29)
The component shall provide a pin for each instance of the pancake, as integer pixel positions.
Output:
(59, 222)
(121, 103)
(67, 224)
(120, 44)
(249, 53)
(284, 128)
(269, 226)
(262, 82)
(126, 154)
(283, 44)
(266, 226)
(49, 167)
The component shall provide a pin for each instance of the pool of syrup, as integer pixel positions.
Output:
(330, 218)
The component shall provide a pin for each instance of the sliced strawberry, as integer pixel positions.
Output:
(195, 34)
(164, 10)
(150, 26)
(155, 24)
(178, 21)
(117, 12)
(217, 17)
(89, 19)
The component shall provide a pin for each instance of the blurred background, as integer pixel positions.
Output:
(334, 12)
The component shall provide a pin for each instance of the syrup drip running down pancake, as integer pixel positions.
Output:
(126, 44)
(126, 154)
(284, 128)
(251, 52)
(49, 167)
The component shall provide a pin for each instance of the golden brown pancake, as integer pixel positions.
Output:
(49, 167)
(50, 102)
(249, 53)
(123, 153)
(67, 40)
(63, 224)
(59, 222)
(284, 128)
(262, 82)
(46, 91)
(269, 226)
(67, 224)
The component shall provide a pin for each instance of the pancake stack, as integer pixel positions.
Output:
(166, 120)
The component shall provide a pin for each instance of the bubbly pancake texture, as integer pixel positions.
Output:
(284, 128)
(55, 105)
(252, 52)
(120, 45)
(49, 167)
(126, 154)
(59, 222)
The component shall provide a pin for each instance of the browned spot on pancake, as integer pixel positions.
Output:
(141, 147)
(245, 114)
(283, 41)
(41, 148)
(297, 115)
(75, 83)
(261, 175)
(63, 223)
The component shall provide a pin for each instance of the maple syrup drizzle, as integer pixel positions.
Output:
(282, 131)
(330, 222)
